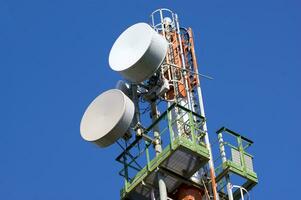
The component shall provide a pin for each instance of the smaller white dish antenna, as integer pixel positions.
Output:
(107, 118)
(138, 52)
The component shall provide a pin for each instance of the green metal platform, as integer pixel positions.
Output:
(239, 164)
(184, 155)
(181, 159)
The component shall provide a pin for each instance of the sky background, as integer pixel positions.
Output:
(54, 62)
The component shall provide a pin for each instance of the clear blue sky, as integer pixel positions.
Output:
(54, 61)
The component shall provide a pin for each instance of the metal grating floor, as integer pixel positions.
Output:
(175, 169)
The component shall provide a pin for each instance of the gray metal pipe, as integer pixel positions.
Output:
(158, 149)
(162, 187)
(224, 159)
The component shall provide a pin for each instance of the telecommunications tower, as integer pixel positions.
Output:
(156, 115)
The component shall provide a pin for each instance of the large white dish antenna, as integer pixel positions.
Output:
(107, 118)
(138, 52)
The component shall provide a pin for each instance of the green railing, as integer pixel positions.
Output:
(239, 163)
(176, 123)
